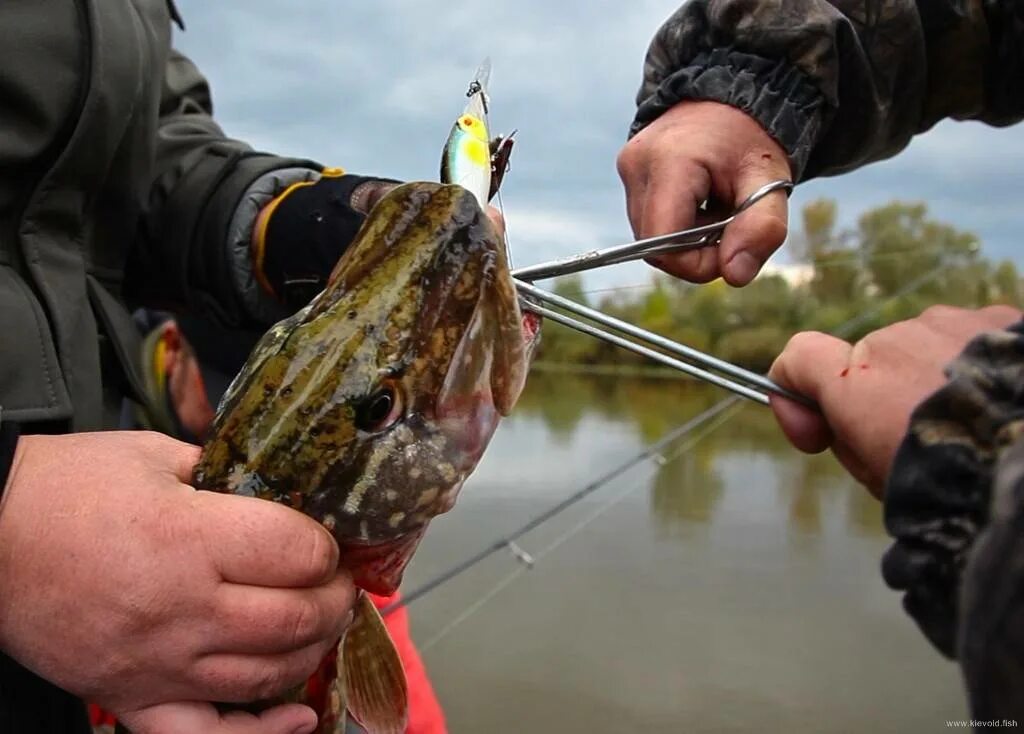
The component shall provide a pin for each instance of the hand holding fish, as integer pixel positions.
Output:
(866, 391)
(122, 584)
(698, 151)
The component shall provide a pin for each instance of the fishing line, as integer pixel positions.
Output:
(729, 406)
(504, 223)
(848, 327)
(508, 541)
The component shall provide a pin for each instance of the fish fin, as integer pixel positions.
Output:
(336, 704)
(329, 704)
(374, 679)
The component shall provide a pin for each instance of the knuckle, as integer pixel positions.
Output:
(305, 624)
(940, 313)
(265, 681)
(628, 161)
(804, 342)
(322, 558)
(774, 230)
(152, 441)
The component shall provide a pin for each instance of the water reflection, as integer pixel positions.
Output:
(734, 588)
(690, 488)
(685, 491)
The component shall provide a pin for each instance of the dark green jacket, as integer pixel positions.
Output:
(115, 183)
(840, 84)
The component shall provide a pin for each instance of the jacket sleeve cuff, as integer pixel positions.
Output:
(939, 495)
(192, 267)
(257, 304)
(774, 93)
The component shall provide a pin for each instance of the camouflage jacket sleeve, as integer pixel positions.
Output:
(955, 506)
(841, 83)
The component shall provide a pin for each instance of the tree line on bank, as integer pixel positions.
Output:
(858, 281)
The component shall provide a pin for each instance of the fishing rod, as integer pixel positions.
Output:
(508, 541)
(730, 406)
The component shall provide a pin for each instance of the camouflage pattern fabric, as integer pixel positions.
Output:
(843, 83)
(955, 505)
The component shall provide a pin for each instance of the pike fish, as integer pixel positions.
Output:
(368, 410)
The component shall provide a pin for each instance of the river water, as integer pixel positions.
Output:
(732, 586)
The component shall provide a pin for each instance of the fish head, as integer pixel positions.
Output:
(368, 410)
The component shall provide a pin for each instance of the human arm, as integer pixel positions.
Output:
(193, 248)
(945, 452)
(177, 595)
(831, 86)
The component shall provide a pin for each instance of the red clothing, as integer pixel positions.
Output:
(425, 713)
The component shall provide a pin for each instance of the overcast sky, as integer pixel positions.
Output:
(374, 87)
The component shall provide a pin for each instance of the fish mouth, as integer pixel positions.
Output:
(379, 567)
(488, 368)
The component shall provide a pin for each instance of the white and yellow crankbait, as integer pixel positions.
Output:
(470, 159)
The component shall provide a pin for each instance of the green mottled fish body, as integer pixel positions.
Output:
(368, 409)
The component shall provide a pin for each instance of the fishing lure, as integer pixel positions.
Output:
(470, 157)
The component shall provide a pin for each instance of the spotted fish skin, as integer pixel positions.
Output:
(368, 409)
(421, 306)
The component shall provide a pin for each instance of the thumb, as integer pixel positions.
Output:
(188, 717)
(759, 231)
(809, 365)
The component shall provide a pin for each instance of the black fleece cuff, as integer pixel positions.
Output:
(775, 93)
(308, 230)
(9, 433)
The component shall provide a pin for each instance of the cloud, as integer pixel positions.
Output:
(374, 87)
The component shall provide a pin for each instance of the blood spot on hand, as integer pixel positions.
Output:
(845, 372)
(863, 366)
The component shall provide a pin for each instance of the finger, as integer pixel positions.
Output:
(671, 202)
(632, 168)
(806, 429)
(168, 454)
(635, 206)
(963, 324)
(252, 541)
(811, 364)
(257, 620)
(675, 190)
(242, 678)
(759, 231)
(999, 316)
(188, 717)
(496, 218)
(366, 195)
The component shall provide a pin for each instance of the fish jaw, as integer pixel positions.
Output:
(379, 567)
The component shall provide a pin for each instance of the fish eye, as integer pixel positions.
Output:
(380, 410)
